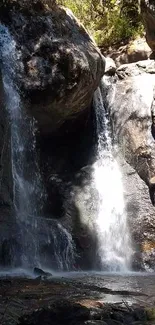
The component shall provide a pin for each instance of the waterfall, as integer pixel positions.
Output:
(114, 247)
(44, 242)
(28, 192)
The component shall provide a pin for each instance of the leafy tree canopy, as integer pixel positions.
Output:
(109, 21)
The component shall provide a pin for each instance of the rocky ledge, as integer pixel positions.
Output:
(37, 302)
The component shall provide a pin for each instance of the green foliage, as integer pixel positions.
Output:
(108, 21)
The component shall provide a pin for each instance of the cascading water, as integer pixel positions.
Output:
(26, 178)
(114, 247)
(28, 190)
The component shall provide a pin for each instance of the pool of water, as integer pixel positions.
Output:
(131, 287)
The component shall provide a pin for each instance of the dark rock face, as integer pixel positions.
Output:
(5, 155)
(66, 165)
(140, 212)
(60, 65)
(7, 220)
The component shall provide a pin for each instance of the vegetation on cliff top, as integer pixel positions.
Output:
(109, 21)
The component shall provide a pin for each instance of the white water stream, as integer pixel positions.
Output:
(26, 177)
(114, 246)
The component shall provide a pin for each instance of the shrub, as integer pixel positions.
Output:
(108, 21)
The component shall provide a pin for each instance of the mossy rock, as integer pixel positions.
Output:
(150, 312)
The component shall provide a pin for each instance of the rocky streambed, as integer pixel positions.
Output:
(92, 299)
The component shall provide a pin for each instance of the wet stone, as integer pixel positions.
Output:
(95, 322)
(40, 272)
(113, 322)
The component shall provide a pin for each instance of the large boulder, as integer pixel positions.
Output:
(133, 51)
(60, 65)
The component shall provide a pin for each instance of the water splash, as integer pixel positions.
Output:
(34, 231)
(114, 248)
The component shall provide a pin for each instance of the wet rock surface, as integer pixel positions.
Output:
(34, 302)
(40, 272)
(131, 116)
(130, 99)
(7, 218)
(130, 110)
(110, 66)
(75, 313)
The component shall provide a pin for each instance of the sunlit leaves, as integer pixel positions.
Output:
(109, 21)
